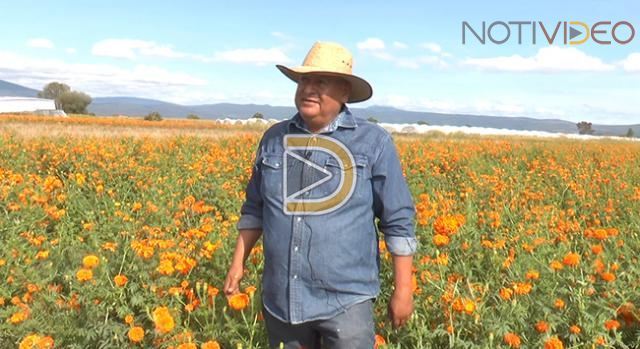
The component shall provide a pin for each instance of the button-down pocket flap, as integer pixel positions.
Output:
(360, 160)
(272, 161)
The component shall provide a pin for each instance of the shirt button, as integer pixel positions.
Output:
(295, 249)
(295, 277)
(299, 219)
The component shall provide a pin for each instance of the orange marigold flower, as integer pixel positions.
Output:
(612, 325)
(522, 288)
(607, 276)
(163, 320)
(136, 334)
(84, 275)
(553, 343)
(600, 234)
(187, 346)
(379, 340)
(571, 259)
(542, 326)
(506, 293)
(29, 342)
(559, 303)
(238, 301)
(556, 265)
(449, 224)
(575, 329)
(90, 261)
(128, 319)
(597, 249)
(250, 290)
(533, 275)
(210, 345)
(120, 280)
(1, 301)
(512, 340)
(440, 240)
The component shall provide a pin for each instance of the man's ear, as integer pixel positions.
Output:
(347, 91)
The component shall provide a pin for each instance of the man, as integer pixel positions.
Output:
(319, 181)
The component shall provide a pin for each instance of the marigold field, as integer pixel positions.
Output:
(120, 238)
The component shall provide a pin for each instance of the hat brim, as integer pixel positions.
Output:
(360, 89)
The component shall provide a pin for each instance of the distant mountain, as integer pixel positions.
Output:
(133, 106)
(8, 89)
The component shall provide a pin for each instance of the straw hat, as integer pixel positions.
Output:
(329, 58)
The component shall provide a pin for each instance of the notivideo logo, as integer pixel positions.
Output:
(561, 32)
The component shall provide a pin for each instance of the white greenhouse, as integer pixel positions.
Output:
(28, 104)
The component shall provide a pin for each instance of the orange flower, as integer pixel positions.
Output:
(575, 329)
(90, 261)
(597, 249)
(559, 303)
(522, 288)
(128, 319)
(553, 343)
(512, 340)
(84, 275)
(440, 240)
(533, 275)
(448, 225)
(210, 345)
(163, 320)
(506, 293)
(607, 276)
(379, 340)
(556, 265)
(612, 325)
(120, 280)
(571, 259)
(34, 341)
(542, 326)
(238, 301)
(187, 346)
(136, 334)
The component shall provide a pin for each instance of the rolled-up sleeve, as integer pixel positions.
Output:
(392, 201)
(251, 211)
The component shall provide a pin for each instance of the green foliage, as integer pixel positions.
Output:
(54, 90)
(257, 116)
(421, 122)
(74, 102)
(584, 128)
(630, 133)
(193, 117)
(372, 119)
(153, 116)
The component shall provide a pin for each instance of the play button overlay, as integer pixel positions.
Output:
(573, 32)
(295, 192)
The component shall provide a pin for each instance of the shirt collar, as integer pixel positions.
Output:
(344, 119)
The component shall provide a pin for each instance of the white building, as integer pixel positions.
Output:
(28, 104)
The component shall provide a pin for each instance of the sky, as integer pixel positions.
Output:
(412, 53)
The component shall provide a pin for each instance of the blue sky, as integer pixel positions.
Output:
(196, 52)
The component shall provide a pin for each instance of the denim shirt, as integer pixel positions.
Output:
(316, 197)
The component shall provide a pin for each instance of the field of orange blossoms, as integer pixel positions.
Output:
(123, 242)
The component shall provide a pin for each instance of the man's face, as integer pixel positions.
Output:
(319, 99)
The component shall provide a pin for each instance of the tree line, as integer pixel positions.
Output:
(72, 102)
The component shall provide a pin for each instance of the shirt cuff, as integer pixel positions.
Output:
(248, 221)
(401, 246)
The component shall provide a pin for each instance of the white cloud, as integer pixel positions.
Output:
(257, 56)
(40, 43)
(371, 44)
(131, 49)
(632, 62)
(400, 45)
(547, 59)
(97, 79)
(70, 50)
(432, 46)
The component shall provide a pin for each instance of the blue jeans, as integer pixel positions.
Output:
(353, 329)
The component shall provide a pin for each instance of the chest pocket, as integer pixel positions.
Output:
(362, 172)
(272, 174)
